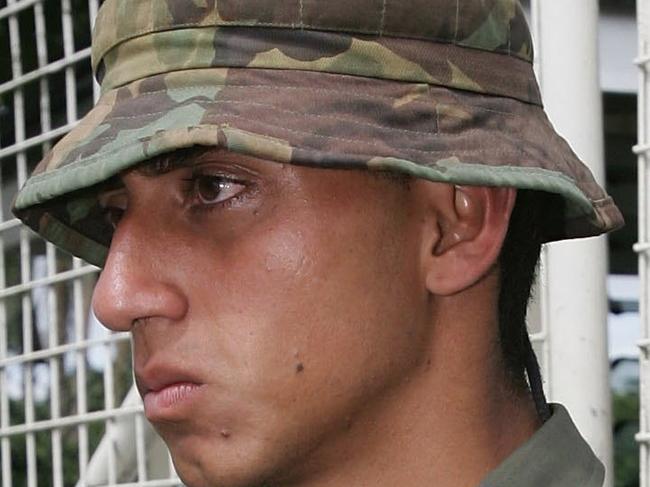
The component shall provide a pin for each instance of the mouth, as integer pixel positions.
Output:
(169, 402)
(167, 394)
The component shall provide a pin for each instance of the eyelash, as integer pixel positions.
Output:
(192, 191)
(112, 215)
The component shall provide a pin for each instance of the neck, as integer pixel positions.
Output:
(449, 423)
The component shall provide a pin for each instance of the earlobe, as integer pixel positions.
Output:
(472, 224)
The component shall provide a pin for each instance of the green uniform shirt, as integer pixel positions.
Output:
(555, 456)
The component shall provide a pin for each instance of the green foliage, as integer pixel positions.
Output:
(626, 449)
(43, 440)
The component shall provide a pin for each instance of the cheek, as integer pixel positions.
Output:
(307, 306)
(252, 292)
(301, 321)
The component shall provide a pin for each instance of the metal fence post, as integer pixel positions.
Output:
(574, 302)
(643, 247)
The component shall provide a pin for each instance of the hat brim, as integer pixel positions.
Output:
(312, 119)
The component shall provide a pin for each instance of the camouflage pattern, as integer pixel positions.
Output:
(383, 58)
(381, 39)
(440, 89)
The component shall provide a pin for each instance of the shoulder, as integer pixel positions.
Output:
(555, 456)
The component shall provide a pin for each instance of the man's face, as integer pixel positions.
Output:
(271, 306)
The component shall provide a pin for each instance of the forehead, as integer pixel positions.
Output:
(189, 157)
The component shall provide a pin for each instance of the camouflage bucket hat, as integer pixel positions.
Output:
(439, 89)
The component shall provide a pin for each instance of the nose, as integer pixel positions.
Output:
(137, 280)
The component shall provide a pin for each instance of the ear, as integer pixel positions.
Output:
(466, 230)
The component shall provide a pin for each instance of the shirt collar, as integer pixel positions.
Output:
(555, 456)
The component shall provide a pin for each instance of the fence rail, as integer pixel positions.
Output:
(643, 247)
(67, 404)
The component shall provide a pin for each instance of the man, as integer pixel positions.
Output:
(320, 222)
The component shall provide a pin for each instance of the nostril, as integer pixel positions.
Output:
(141, 322)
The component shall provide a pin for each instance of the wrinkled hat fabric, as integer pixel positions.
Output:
(439, 89)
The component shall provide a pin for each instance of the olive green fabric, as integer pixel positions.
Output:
(556, 456)
(439, 89)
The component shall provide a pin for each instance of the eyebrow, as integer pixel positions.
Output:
(162, 164)
(158, 165)
(166, 163)
(110, 184)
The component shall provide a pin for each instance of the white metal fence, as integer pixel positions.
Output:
(66, 415)
(643, 247)
(572, 296)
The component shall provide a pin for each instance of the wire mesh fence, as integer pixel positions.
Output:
(68, 412)
(643, 247)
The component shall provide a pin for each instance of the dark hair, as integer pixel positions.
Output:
(536, 215)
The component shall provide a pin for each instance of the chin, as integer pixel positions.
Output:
(222, 462)
(192, 477)
(219, 473)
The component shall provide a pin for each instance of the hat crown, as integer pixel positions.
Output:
(491, 25)
(442, 90)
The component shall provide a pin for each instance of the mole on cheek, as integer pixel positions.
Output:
(299, 367)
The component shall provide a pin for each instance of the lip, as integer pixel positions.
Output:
(167, 392)
(171, 402)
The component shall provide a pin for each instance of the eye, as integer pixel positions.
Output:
(113, 204)
(113, 215)
(210, 189)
